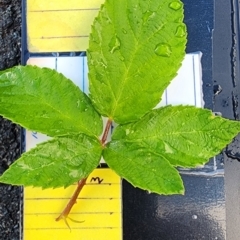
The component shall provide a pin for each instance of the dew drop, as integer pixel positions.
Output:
(114, 44)
(147, 15)
(75, 161)
(163, 50)
(122, 58)
(44, 114)
(175, 5)
(74, 173)
(181, 31)
(194, 217)
(78, 103)
(136, 75)
(124, 31)
(106, 16)
(102, 63)
(95, 39)
(24, 166)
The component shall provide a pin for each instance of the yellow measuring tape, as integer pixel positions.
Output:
(59, 26)
(98, 206)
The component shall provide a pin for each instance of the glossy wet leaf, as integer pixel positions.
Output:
(135, 50)
(184, 135)
(61, 161)
(43, 100)
(143, 169)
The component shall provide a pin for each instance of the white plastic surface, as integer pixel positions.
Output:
(186, 87)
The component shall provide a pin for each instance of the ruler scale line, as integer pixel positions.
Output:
(66, 10)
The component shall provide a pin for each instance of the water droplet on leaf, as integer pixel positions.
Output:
(105, 16)
(44, 114)
(175, 5)
(122, 58)
(75, 161)
(181, 31)
(94, 39)
(102, 63)
(124, 31)
(147, 15)
(114, 44)
(163, 50)
(74, 173)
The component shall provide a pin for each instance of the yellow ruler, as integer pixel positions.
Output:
(60, 25)
(64, 26)
(98, 206)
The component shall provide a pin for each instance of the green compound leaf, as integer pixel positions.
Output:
(184, 135)
(135, 50)
(43, 100)
(143, 169)
(56, 163)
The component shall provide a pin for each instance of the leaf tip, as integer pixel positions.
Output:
(182, 192)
